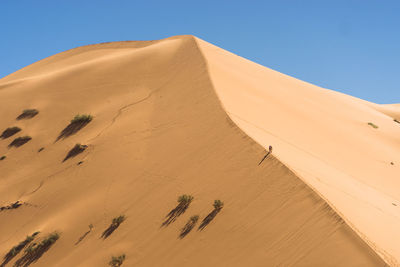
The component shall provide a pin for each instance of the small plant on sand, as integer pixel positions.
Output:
(373, 125)
(395, 120)
(2, 157)
(76, 124)
(218, 204)
(34, 251)
(77, 149)
(82, 118)
(113, 226)
(45, 243)
(118, 220)
(194, 218)
(189, 226)
(27, 114)
(117, 261)
(17, 142)
(10, 131)
(18, 248)
(185, 199)
(183, 203)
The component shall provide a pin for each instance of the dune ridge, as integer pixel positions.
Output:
(159, 131)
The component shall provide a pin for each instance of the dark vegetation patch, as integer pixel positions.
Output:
(77, 123)
(19, 141)
(12, 206)
(116, 222)
(10, 131)
(117, 261)
(218, 205)
(36, 250)
(183, 203)
(40, 149)
(18, 248)
(396, 120)
(28, 114)
(189, 226)
(373, 125)
(3, 157)
(77, 149)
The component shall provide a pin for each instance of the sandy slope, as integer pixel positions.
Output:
(160, 131)
(325, 138)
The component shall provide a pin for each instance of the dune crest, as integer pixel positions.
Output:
(160, 131)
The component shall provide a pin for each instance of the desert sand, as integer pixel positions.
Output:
(181, 116)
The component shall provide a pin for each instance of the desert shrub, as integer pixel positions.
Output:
(3, 157)
(194, 218)
(18, 248)
(45, 243)
(118, 220)
(27, 114)
(76, 124)
(77, 149)
(395, 120)
(82, 118)
(373, 125)
(17, 142)
(189, 226)
(51, 239)
(218, 204)
(10, 131)
(183, 203)
(185, 199)
(34, 251)
(113, 226)
(117, 261)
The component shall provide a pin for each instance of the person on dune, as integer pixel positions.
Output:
(269, 152)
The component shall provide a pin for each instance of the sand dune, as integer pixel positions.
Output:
(162, 128)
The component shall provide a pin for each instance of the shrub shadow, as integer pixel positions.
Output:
(17, 249)
(36, 250)
(188, 226)
(77, 149)
(208, 219)
(175, 213)
(9, 132)
(71, 129)
(28, 114)
(113, 226)
(17, 142)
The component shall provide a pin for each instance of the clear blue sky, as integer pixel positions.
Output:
(349, 46)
